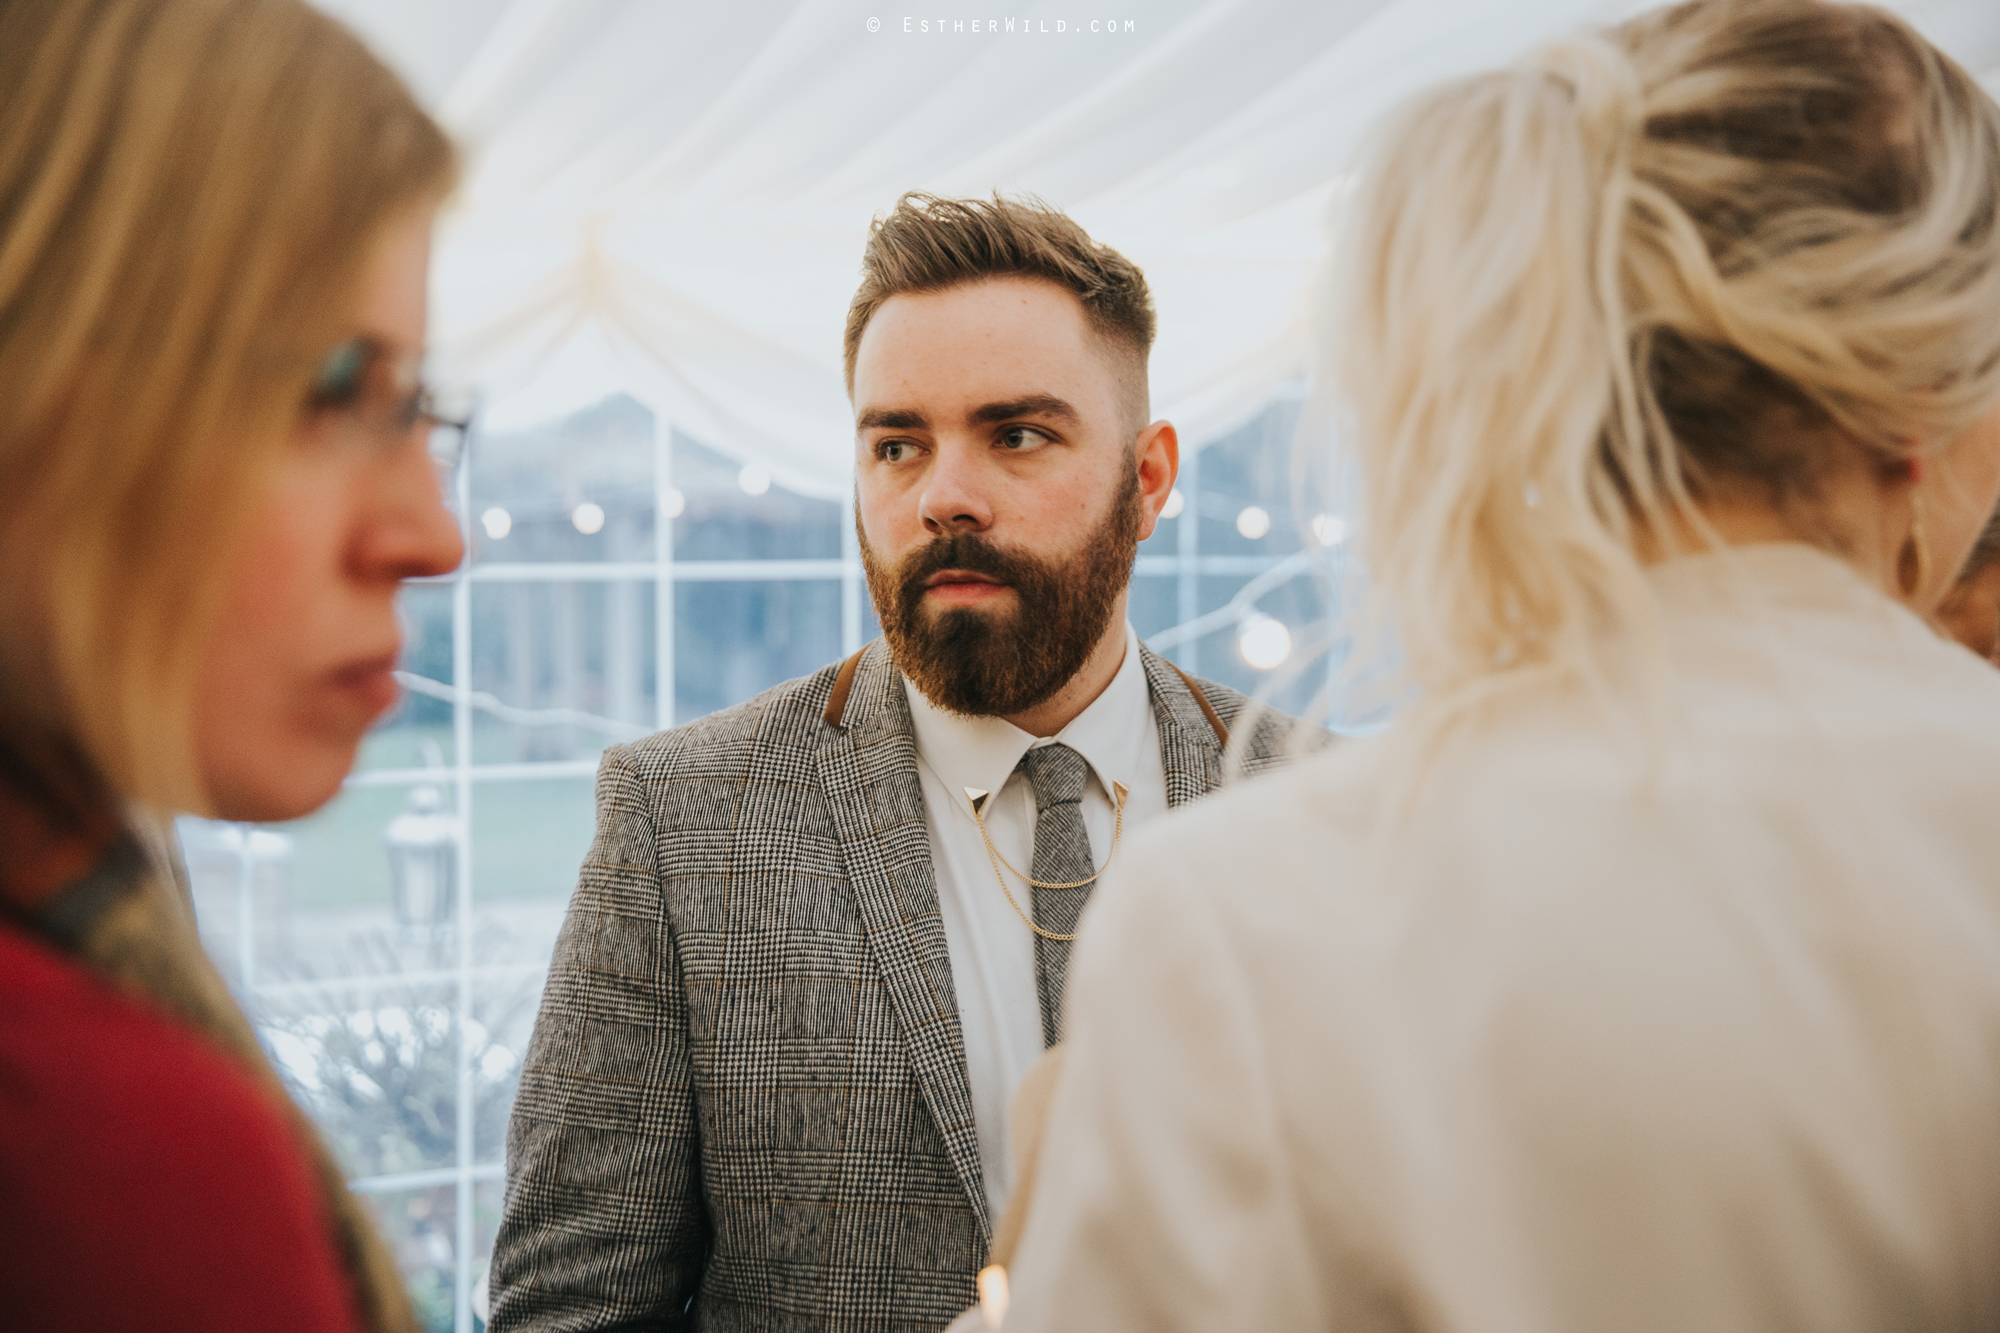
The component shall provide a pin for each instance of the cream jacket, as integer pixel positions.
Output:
(1587, 1042)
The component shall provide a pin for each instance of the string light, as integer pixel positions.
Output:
(1175, 503)
(1253, 522)
(497, 522)
(673, 502)
(1264, 642)
(755, 479)
(589, 518)
(1329, 529)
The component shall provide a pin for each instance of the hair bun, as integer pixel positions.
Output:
(1603, 82)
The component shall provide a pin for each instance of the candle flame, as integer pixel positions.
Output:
(993, 1295)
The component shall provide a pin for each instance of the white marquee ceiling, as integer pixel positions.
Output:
(670, 198)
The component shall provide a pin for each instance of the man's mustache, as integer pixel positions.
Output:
(974, 554)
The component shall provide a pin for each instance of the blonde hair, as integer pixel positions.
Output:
(1686, 257)
(187, 191)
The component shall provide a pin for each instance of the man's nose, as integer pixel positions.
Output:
(954, 498)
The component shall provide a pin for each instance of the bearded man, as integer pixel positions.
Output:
(803, 969)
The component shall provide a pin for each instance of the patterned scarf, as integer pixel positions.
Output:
(124, 923)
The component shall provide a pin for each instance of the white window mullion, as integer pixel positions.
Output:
(461, 723)
(663, 573)
(850, 584)
(1187, 537)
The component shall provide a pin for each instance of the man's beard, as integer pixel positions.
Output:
(969, 661)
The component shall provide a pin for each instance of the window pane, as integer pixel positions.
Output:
(734, 640)
(304, 891)
(579, 489)
(373, 1053)
(724, 521)
(488, 1202)
(1288, 684)
(244, 896)
(504, 1002)
(1153, 604)
(1250, 469)
(567, 667)
(421, 1227)
(528, 838)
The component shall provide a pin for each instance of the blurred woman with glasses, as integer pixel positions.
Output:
(215, 470)
(1645, 974)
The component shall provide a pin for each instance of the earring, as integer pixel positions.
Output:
(1913, 562)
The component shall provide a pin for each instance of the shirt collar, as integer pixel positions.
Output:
(982, 752)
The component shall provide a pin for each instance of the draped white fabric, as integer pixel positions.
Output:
(670, 198)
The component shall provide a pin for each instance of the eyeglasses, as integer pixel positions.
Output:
(387, 398)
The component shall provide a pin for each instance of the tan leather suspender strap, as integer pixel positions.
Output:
(843, 684)
(1207, 709)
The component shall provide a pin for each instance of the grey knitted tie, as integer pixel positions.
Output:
(1062, 856)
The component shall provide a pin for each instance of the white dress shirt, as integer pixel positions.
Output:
(1701, 1034)
(992, 950)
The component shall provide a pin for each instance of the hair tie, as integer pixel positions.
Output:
(1605, 85)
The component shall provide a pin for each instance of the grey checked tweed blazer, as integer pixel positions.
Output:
(745, 1104)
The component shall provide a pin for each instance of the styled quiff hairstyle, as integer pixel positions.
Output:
(1707, 252)
(188, 192)
(929, 244)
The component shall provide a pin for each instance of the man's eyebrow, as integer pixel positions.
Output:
(885, 418)
(1034, 405)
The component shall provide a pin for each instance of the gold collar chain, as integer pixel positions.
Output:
(978, 800)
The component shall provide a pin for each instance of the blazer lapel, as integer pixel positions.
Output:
(868, 770)
(1190, 750)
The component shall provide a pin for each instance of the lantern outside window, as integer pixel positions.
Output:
(422, 844)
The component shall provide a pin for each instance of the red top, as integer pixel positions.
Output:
(145, 1181)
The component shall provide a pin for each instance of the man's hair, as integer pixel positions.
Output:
(928, 244)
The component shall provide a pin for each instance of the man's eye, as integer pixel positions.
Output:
(1022, 439)
(895, 451)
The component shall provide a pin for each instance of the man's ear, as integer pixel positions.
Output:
(1157, 453)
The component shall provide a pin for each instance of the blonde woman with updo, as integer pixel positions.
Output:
(1646, 974)
(214, 472)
